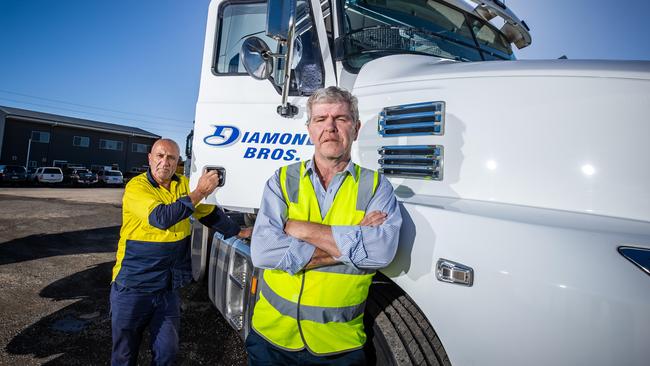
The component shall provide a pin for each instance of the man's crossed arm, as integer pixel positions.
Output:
(320, 236)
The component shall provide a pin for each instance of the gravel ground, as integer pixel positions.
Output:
(56, 256)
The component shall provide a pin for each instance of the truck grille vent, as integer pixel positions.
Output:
(413, 119)
(417, 161)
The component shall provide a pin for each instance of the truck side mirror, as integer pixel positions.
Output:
(256, 57)
(279, 17)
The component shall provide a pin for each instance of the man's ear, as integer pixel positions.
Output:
(357, 127)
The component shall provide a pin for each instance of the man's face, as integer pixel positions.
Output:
(163, 160)
(332, 129)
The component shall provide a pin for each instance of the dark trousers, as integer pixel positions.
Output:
(261, 352)
(132, 312)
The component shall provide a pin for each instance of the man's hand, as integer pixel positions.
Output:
(374, 218)
(318, 235)
(207, 184)
(320, 258)
(245, 233)
(293, 228)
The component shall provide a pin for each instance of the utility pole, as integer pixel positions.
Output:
(29, 147)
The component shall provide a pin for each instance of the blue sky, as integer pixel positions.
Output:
(582, 29)
(138, 63)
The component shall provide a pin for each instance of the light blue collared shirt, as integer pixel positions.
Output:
(361, 246)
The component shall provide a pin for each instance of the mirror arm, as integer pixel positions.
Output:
(286, 109)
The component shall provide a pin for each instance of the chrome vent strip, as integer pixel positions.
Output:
(413, 119)
(416, 161)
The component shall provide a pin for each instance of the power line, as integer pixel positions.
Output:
(91, 107)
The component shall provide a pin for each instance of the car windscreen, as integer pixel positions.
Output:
(51, 171)
(113, 174)
(15, 169)
(83, 171)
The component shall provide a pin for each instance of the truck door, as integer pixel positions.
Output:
(237, 126)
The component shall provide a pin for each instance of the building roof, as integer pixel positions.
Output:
(54, 119)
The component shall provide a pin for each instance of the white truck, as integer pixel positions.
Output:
(524, 185)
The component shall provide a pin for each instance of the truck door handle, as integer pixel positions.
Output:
(452, 272)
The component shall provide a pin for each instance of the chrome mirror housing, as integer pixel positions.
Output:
(279, 15)
(256, 57)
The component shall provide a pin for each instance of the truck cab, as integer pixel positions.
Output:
(522, 184)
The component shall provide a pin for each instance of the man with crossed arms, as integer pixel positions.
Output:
(323, 228)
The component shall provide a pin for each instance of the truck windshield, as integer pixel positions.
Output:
(376, 28)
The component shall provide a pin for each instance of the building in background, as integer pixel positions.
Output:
(35, 139)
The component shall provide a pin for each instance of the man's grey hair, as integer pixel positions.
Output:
(333, 94)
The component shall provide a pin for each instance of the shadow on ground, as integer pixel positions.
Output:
(79, 333)
(102, 240)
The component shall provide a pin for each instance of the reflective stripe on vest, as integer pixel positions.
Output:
(319, 309)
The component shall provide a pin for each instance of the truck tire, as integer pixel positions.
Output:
(398, 333)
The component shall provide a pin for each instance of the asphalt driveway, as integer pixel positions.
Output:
(57, 249)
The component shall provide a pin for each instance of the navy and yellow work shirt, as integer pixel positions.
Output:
(154, 249)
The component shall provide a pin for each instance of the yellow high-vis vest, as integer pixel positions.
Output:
(148, 258)
(319, 309)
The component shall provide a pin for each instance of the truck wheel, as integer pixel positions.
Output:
(398, 333)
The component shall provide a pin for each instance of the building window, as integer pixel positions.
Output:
(81, 141)
(110, 145)
(139, 148)
(41, 136)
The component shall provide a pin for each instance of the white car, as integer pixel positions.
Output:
(49, 175)
(110, 177)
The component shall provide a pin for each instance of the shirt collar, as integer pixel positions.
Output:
(153, 181)
(309, 167)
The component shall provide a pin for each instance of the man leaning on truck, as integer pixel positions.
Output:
(153, 254)
(324, 226)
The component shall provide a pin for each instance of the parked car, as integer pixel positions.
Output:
(48, 175)
(110, 177)
(31, 175)
(79, 176)
(133, 173)
(13, 174)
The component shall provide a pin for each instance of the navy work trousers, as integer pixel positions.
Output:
(132, 312)
(261, 352)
